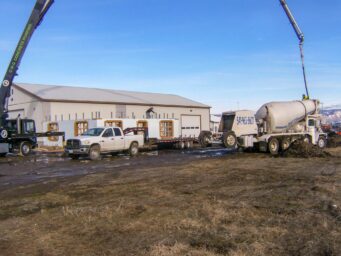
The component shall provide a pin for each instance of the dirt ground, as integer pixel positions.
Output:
(172, 204)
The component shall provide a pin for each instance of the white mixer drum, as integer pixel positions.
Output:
(280, 116)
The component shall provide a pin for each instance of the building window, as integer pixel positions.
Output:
(76, 117)
(81, 127)
(55, 118)
(111, 123)
(69, 116)
(53, 127)
(111, 115)
(166, 129)
(173, 115)
(62, 118)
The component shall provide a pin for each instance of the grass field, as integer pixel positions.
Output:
(242, 204)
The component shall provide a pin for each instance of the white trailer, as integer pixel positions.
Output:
(159, 131)
(274, 126)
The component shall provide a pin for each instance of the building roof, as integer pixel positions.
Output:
(56, 93)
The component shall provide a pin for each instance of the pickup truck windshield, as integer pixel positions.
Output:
(93, 132)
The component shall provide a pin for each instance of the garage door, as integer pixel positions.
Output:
(190, 126)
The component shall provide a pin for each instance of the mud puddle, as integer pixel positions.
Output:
(40, 167)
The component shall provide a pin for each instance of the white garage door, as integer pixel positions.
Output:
(190, 126)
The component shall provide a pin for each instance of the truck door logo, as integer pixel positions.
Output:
(5, 83)
(242, 120)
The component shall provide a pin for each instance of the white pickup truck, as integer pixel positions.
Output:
(102, 140)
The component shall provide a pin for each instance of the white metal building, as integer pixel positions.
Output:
(46, 103)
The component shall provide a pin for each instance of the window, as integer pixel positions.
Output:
(111, 123)
(142, 124)
(108, 133)
(93, 132)
(53, 127)
(227, 121)
(29, 127)
(166, 129)
(311, 122)
(81, 127)
(117, 132)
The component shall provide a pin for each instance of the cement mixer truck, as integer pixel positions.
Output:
(274, 126)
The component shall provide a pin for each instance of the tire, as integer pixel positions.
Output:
(285, 143)
(205, 138)
(273, 146)
(3, 134)
(229, 140)
(25, 148)
(181, 145)
(3, 154)
(95, 152)
(321, 142)
(188, 144)
(306, 139)
(74, 157)
(134, 149)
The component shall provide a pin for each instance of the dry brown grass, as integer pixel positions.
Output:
(238, 205)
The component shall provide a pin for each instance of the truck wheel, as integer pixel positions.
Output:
(134, 149)
(74, 157)
(273, 146)
(3, 154)
(95, 152)
(181, 145)
(321, 142)
(188, 144)
(285, 143)
(229, 140)
(205, 138)
(3, 134)
(25, 148)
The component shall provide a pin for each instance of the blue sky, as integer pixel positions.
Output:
(226, 53)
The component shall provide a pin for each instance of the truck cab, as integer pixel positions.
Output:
(103, 140)
(18, 134)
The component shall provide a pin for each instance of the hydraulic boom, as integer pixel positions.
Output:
(38, 13)
(300, 37)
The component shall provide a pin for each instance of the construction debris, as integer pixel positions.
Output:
(334, 140)
(303, 149)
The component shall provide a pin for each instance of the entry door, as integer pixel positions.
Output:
(190, 126)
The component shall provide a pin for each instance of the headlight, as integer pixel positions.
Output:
(86, 142)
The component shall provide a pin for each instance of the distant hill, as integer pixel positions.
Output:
(332, 113)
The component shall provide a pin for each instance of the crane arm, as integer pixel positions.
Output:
(300, 37)
(40, 9)
(293, 22)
